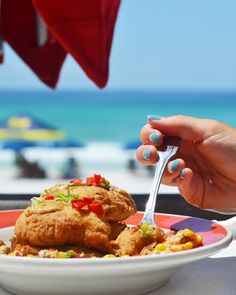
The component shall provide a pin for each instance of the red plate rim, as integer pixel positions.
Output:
(210, 231)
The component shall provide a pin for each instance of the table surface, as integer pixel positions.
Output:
(214, 275)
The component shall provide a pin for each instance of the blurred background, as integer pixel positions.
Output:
(167, 58)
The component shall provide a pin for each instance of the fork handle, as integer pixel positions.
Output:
(151, 203)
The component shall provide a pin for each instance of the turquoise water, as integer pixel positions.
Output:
(114, 116)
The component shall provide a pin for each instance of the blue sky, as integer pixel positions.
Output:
(158, 44)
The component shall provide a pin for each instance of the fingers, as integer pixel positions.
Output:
(190, 187)
(151, 136)
(147, 154)
(173, 171)
(184, 179)
(187, 128)
(176, 173)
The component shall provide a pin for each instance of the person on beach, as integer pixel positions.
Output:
(204, 168)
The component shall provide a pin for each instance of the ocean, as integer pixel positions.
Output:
(114, 116)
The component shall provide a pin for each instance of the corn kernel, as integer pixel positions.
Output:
(198, 240)
(189, 233)
(182, 247)
(160, 247)
(109, 256)
(60, 255)
(188, 245)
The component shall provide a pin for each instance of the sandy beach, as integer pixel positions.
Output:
(112, 164)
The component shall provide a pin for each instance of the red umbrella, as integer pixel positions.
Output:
(20, 27)
(1, 51)
(1, 41)
(85, 29)
(82, 28)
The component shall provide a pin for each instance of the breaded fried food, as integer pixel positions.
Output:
(117, 204)
(57, 223)
(116, 229)
(132, 240)
(76, 214)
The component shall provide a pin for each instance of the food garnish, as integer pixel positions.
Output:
(95, 180)
(147, 229)
(90, 204)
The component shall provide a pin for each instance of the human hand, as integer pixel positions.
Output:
(204, 168)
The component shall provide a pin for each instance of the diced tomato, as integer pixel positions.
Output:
(91, 204)
(97, 209)
(88, 200)
(97, 178)
(48, 198)
(78, 204)
(89, 180)
(76, 181)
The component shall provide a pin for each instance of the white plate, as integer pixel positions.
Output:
(125, 275)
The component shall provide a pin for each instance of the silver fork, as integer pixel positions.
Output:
(166, 151)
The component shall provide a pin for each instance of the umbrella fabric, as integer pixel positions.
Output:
(132, 145)
(66, 144)
(17, 145)
(1, 45)
(24, 127)
(19, 27)
(85, 29)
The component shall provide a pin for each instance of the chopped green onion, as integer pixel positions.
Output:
(66, 198)
(69, 253)
(147, 229)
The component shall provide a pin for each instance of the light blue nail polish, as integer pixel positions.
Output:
(182, 174)
(147, 154)
(155, 137)
(174, 166)
(154, 117)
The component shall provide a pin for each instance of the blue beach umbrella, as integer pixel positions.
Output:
(132, 145)
(28, 128)
(16, 145)
(66, 144)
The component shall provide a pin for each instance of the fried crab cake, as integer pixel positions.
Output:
(53, 221)
(117, 204)
(57, 223)
(132, 240)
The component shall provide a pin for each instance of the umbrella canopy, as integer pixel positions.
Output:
(17, 145)
(1, 49)
(25, 127)
(133, 144)
(82, 28)
(23, 30)
(66, 144)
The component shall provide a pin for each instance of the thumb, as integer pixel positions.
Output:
(185, 127)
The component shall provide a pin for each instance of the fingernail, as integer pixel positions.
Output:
(174, 166)
(182, 174)
(147, 154)
(154, 117)
(155, 137)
